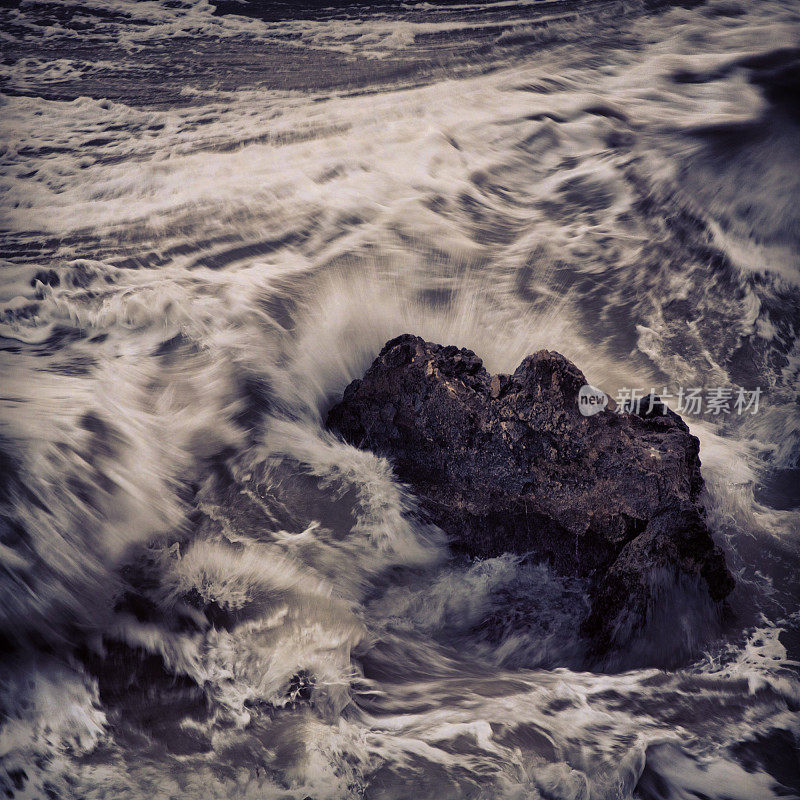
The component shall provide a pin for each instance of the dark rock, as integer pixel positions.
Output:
(508, 463)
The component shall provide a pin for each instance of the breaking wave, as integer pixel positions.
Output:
(206, 594)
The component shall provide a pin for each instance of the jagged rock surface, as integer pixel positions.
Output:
(507, 463)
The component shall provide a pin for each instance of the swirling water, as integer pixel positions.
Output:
(213, 217)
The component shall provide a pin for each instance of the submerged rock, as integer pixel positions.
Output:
(507, 463)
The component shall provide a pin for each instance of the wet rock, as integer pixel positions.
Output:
(507, 463)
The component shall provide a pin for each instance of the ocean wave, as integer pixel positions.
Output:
(203, 592)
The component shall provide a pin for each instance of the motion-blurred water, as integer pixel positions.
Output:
(213, 217)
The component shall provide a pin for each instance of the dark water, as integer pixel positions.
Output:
(213, 217)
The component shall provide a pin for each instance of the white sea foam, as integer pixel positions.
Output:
(573, 202)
